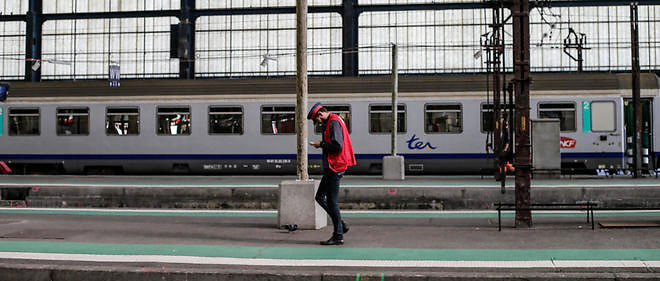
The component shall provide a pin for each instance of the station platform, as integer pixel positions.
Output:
(357, 192)
(57, 244)
(423, 228)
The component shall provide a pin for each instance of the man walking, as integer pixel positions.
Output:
(337, 157)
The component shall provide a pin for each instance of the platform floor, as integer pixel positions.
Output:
(140, 243)
(93, 244)
(128, 181)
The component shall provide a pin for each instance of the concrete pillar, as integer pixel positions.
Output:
(302, 90)
(298, 206)
(393, 165)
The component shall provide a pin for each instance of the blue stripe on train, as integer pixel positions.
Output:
(274, 156)
(149, 156)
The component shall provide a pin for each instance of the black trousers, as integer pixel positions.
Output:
(327, 195)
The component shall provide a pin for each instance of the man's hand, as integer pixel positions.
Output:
(315, 144)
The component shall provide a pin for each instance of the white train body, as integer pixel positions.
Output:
(146, 135)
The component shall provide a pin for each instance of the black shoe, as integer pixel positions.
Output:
(344, 227)
(333, 241)
(291, 227)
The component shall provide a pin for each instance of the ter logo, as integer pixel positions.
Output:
(415, 143)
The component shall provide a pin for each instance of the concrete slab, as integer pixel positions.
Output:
(546, 157)
(298, 207)
(394, 168)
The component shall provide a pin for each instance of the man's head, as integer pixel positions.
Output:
(317, 113)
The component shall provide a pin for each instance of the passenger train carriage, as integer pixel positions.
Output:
(240, 126)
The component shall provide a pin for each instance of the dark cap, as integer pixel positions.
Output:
(315, 109)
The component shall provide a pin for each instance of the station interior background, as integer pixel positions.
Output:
(263, 44)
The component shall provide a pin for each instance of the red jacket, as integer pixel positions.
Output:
(339, 162)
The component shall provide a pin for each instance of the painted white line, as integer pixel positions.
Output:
(118, 185)
(142, 210)
(238, 185)
(625, 211)
(404, 185)
(312, 262)
(493, 211)
(607, 263)
(652, 264)
(416, 212)
(394, 185)
(385, 212)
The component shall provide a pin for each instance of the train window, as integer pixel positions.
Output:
(24, 122)
(603, 116)
(565, 112)
(122, 121)
(173, 121)
(380, 118)
(226, 120)
(443, 118)
(278, 119)
(487, 115)
(342, 110)
(72, 121)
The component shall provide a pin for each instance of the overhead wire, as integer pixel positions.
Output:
(384, 47)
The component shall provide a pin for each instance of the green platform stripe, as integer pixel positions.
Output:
(508, 214)
(330, 253)
(130, 213)
(487, 215)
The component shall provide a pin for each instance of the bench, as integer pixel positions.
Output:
(586, 206)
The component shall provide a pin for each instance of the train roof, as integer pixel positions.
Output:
(324, 85)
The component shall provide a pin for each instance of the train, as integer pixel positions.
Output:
(247, 125)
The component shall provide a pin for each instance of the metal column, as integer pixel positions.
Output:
(187, 62)
(349, 43)
(497, 48)
(520, 13)
(395, 96)
(637, 106)
(33, 40)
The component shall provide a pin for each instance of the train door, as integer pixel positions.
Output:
(647, 132)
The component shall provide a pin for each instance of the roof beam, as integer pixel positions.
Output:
(315, 9)
(424, 7)
(112, 15)
(593, 3)
(177, 13)
(13, 18)
(265, 11)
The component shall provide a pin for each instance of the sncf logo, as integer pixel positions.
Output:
(567, 142)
